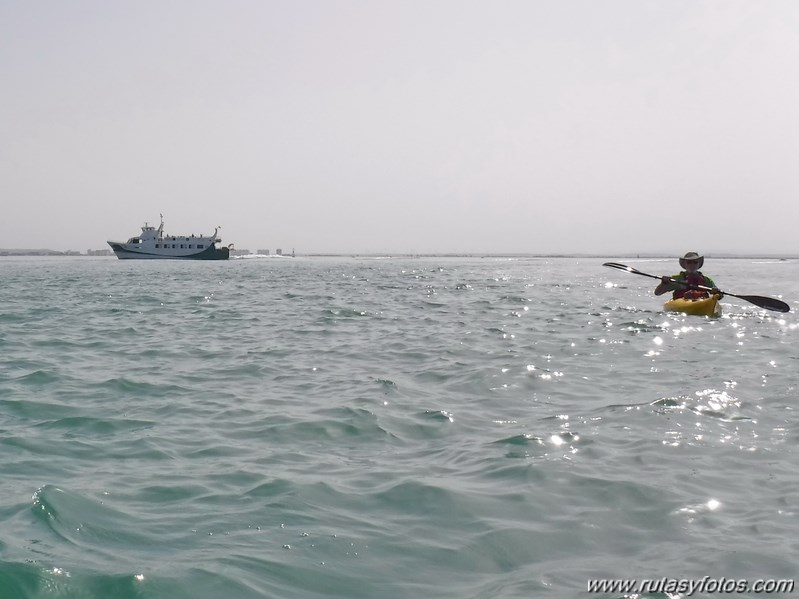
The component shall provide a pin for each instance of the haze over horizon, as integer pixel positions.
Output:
(343, 126)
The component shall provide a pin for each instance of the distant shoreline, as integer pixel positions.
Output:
(559, 255)
(10, 253)
(45, 252)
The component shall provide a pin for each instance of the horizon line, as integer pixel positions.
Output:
(10, 252)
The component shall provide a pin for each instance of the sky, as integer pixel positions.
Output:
(403, 126)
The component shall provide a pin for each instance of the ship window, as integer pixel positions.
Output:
(157, 245)
(189, 246)
(181, 246)
(173, 246)
(200, 246)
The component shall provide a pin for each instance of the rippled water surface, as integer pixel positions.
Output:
(433, 427)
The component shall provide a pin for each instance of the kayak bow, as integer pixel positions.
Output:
(704, 306)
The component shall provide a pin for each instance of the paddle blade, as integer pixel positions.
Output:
(630, 269)
(767, 303)
(617, 265)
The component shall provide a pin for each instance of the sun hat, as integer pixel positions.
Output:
(692, 256)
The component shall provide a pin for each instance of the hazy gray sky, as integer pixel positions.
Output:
(403, 125)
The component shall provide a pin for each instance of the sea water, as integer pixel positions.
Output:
(393, 428)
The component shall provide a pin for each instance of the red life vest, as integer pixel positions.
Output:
(693, 279)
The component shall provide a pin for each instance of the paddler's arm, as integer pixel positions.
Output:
(666, 284)
(715, 290)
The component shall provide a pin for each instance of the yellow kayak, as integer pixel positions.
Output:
(706, 306)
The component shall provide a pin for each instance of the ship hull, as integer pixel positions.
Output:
(125, 253)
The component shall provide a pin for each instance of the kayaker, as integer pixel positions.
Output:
(688, 280)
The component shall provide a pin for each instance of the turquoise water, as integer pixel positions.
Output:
(435, 427)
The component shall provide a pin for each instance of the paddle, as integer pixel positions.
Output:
(768, 303)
